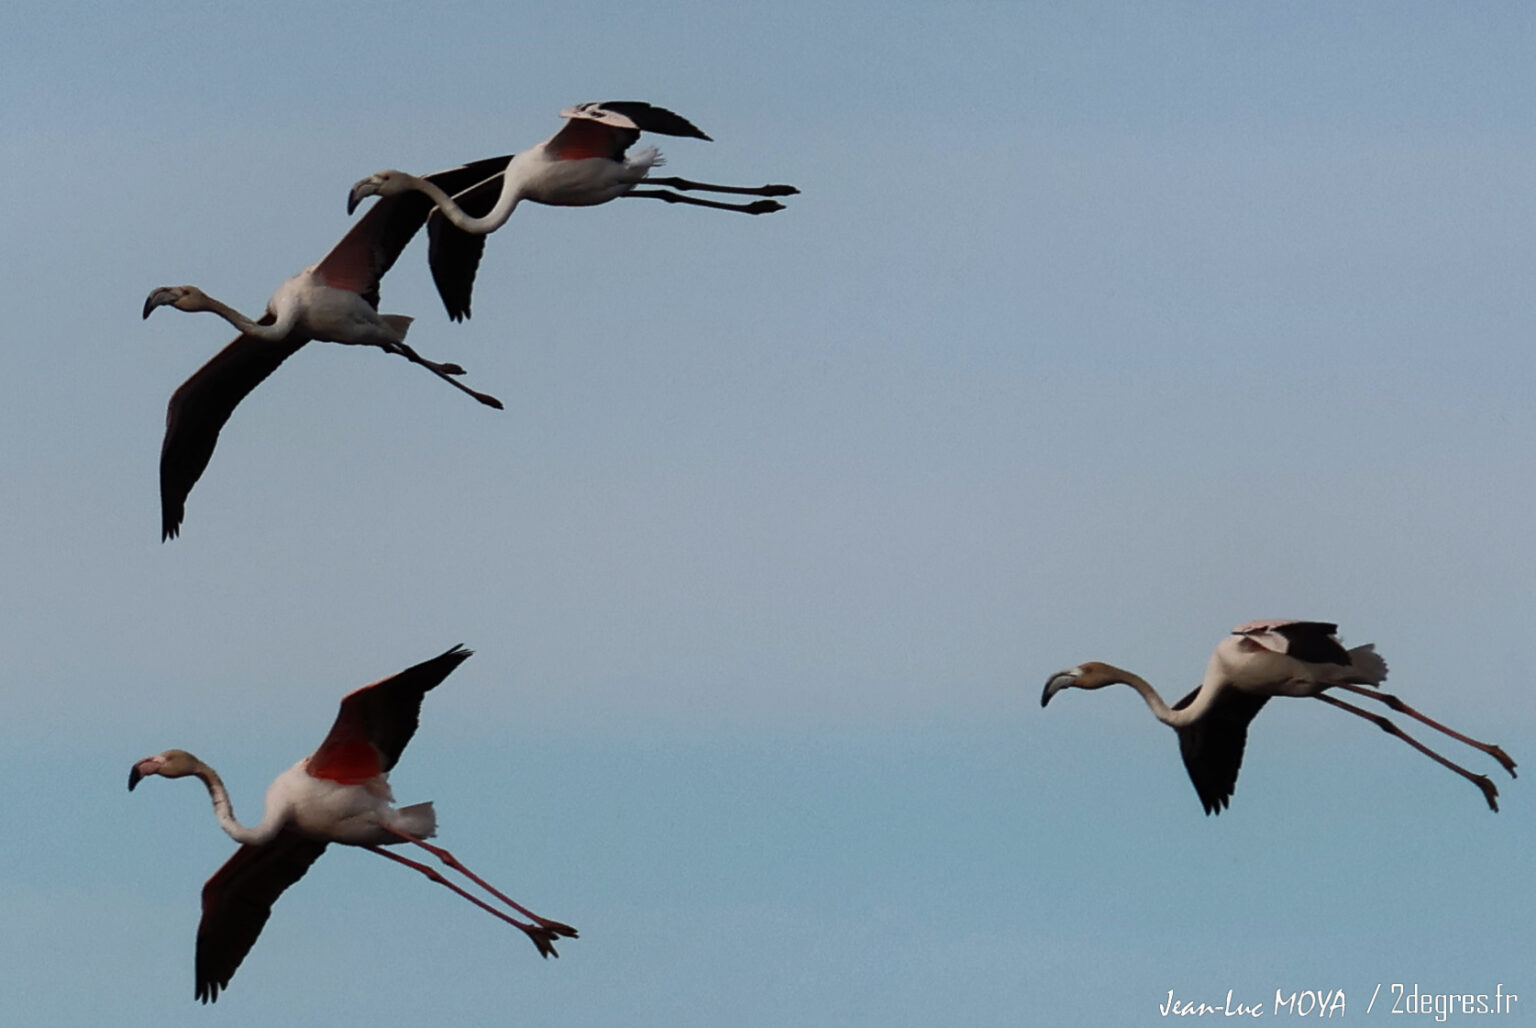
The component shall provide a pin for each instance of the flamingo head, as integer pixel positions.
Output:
(1090, 675)
(170, 764)
(384, 183)
(184, 298)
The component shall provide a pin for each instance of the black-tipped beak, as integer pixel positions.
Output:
(159, 298)
(360, 188)
(1054, 685)
(134, 777)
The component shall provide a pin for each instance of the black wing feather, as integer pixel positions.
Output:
(198, 410)
(237, 901)
(1314, 642)
(390, 710)
(453, 254)
(650, 118)
(1212, 747)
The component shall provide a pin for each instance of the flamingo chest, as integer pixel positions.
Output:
(342, 813)
(582, 182)
(341, 316)
(1259, 671)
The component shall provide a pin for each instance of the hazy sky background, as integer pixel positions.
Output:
(1098, 329)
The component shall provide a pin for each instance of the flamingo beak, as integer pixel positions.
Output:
(363, 187)
(1057, 682)
(160, 297)
(145, 767)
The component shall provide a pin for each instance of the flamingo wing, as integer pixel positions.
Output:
(237, 901)
(452, 253)
(1212, 747)
(371, 247)
(376, 721)
(583, 139)
(635, 115)
(198, 410)
(1315, 642)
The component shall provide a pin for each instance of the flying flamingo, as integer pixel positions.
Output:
(341, 794)
(335, 301)
(581, 165)
(1259, 660)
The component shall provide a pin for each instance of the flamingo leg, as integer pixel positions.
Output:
(1402, 708)
(755, 207)
(682, 183)
(541, 936)
(450, 860)
(444, 372)
(1483, 782)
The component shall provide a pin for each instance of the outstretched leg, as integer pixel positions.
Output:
(1483, 782)
(543, 938)
(1402, 708)
(682, 183)
(444, 372)
(755, 207)
(451, 861)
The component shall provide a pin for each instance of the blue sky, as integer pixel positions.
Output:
(1097, 330)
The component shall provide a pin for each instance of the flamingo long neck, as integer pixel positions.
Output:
(1164, 713)
(270, 825)
(511, 195)
(279, 329)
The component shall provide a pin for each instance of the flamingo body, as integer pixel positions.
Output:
(584, 164)
(1257, 661)
(357, 813)
(338, 794)
(335, 300)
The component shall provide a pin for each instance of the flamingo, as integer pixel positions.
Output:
(335, 300)
(581, 165)
(1258, 660)
(340, 793)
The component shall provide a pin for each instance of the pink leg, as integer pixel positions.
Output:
(1490, 792)
(755, 207)
(542, 937)
(444, 372)
(451, 861)
(1402, 708)
(682, 183)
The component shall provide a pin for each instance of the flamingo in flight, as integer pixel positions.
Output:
(335, 301)
(1259, 660)
(581, 165)
(340, 793)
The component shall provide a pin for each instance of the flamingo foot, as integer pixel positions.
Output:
(1490, 791)
(555, 927)
(763, 207)
(1497, 753)
(542, 938)
(779, 191)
